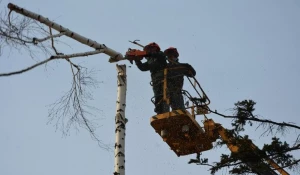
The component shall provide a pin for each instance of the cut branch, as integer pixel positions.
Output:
(115, 56)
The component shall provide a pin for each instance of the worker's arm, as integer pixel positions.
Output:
(161, 60)
(189, 71)
(142, 66)
(136, 56)
(192, 71)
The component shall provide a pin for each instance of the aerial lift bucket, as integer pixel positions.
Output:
(181, 132)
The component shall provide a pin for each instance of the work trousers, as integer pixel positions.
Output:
(175, 95)
(157, 85)
(176, 100)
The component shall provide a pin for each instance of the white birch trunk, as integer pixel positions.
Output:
(114, 56)
(120, 121)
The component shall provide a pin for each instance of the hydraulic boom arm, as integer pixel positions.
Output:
(250, 156)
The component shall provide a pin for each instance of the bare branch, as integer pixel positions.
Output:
(50, 37)
(52, 43)
(72, 109)
(19, 33)
(26, 69)
(52, 58)
(258, 120)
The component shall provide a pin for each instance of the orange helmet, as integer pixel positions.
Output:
(152, 45)
(172, 51)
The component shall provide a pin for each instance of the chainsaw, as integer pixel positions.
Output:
(135, 54)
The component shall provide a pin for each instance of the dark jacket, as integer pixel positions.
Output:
(176, 71)
(155, 64)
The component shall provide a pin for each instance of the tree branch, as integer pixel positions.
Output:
(26, 69)
(257, 120)
(52, 58)
(49, 37)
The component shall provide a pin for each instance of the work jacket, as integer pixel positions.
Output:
(156, 63)
(176, 73)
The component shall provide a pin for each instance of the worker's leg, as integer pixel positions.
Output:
(160, 105)
(176, 100)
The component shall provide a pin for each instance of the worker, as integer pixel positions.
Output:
(176, 73)
(156, 63)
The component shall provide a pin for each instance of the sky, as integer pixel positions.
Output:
(240, 50)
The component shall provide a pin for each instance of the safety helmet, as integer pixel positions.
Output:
(152, 45)
(171, 51)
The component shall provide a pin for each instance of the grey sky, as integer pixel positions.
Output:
(240, 50)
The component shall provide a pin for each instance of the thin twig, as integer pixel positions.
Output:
(52, 43)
